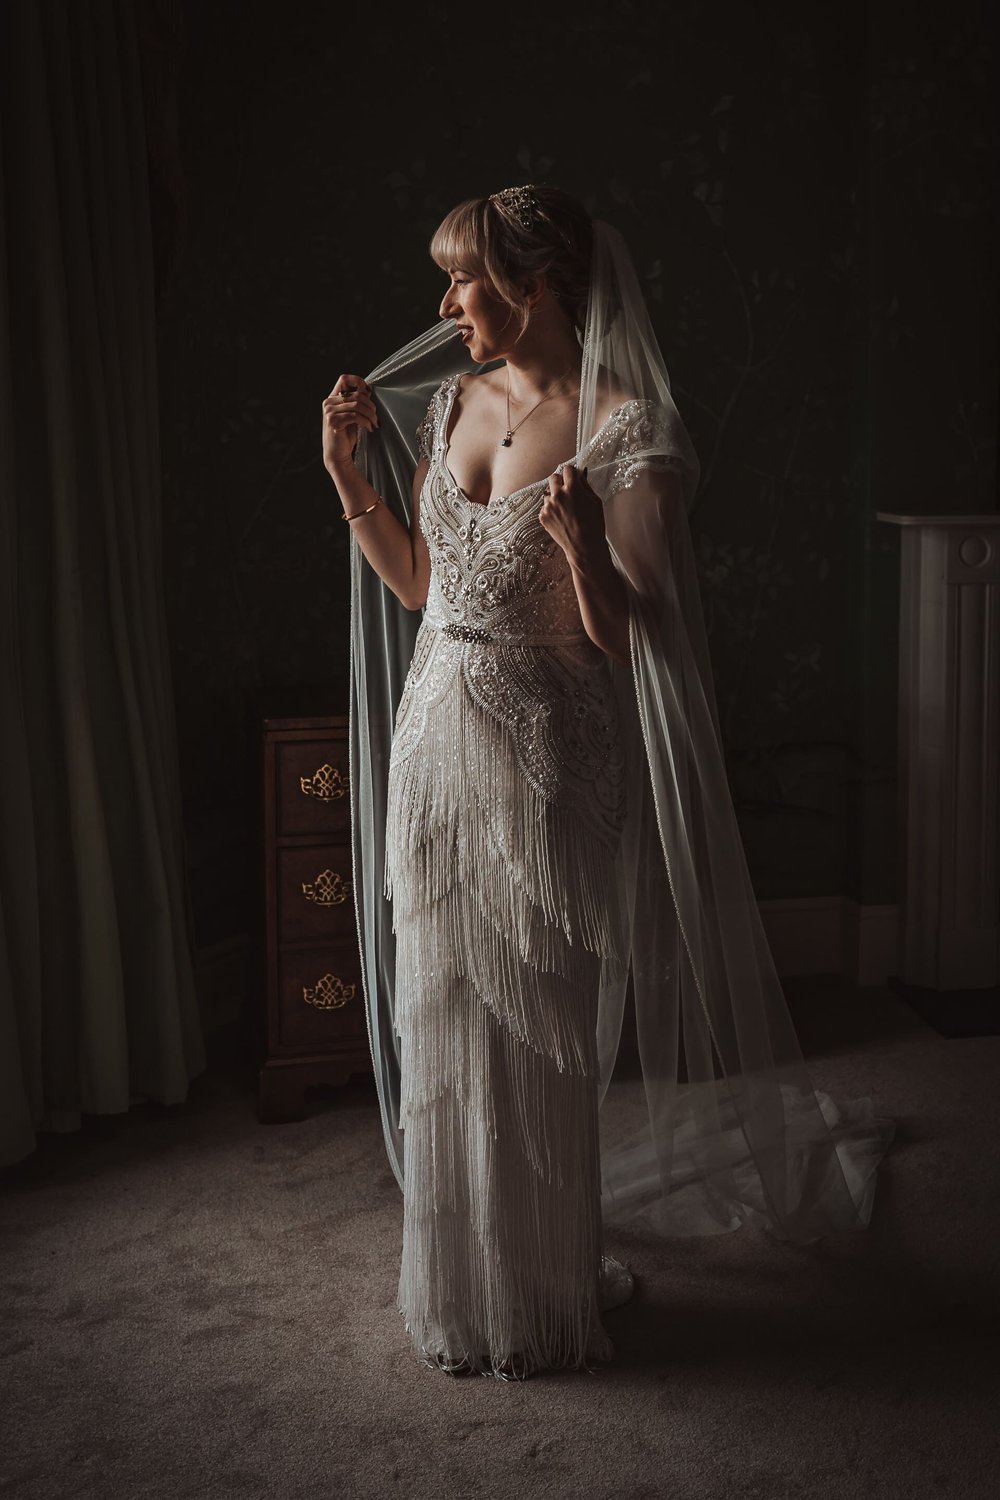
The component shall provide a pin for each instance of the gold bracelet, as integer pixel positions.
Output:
(354, 515)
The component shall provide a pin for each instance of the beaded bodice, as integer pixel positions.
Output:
(494, 568)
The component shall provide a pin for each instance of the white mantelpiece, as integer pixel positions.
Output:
(949, 750)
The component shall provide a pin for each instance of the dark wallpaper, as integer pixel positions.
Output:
(804, 190)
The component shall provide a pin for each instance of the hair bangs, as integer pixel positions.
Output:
(460, 239)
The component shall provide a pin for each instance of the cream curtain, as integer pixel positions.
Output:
(97, 1003)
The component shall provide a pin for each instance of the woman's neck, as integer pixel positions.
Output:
(544, 356)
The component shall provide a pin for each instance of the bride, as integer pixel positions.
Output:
(541, 814)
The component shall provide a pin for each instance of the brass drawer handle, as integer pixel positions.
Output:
(330, 993)
(326, 784)
(328, 889)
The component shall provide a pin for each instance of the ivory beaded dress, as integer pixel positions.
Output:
(506, 800)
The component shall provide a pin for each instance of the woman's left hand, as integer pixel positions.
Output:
(572, 513)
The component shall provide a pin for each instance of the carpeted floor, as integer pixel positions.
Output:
(196, 1305)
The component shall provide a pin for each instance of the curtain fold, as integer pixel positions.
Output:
(97, 1000)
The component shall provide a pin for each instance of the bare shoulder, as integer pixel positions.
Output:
(476, 386)
(482, 380)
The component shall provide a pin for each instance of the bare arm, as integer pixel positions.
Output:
(600, 593)
(399, 556)
(571, 513)
(639, 521)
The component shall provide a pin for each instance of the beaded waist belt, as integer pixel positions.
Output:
(457, 632)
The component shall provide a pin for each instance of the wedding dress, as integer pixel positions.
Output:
(506, 802)
(536, 831)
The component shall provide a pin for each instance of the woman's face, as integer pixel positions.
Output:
(489, 328)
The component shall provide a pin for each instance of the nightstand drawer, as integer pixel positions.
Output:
(320, 999)
(315, 894)
(313, 788)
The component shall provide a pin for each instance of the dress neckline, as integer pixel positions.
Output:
(444, 448)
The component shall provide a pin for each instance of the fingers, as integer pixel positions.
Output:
(568, 479)
(343, 410)
(353, 394)
(348, 422)
(574, 478)
(360, 405)
(566, 503)
(349, 384)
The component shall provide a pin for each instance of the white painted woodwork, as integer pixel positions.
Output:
(949, 750)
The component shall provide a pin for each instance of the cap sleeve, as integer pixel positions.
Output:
(425, 430)
(637, 437)
(430, 429)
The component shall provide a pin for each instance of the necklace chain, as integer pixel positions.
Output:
(508, 436)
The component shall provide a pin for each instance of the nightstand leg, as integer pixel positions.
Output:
(282, 1086)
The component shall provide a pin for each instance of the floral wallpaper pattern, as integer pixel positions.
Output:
(805, 194)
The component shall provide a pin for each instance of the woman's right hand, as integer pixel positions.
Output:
(347, 410)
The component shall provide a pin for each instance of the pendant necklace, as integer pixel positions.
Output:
(508, 437)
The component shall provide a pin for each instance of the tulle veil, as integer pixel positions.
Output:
(720, 1124)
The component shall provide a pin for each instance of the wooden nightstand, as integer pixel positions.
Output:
(315, 1029)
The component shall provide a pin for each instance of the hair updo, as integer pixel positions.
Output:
(517, 233)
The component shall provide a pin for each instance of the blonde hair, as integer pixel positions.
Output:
(517, 233)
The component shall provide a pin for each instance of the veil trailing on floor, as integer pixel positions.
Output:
(718, 1124)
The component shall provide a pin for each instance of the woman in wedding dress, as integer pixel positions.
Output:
(552, 724)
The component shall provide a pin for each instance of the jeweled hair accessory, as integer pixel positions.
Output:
(519, 203)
